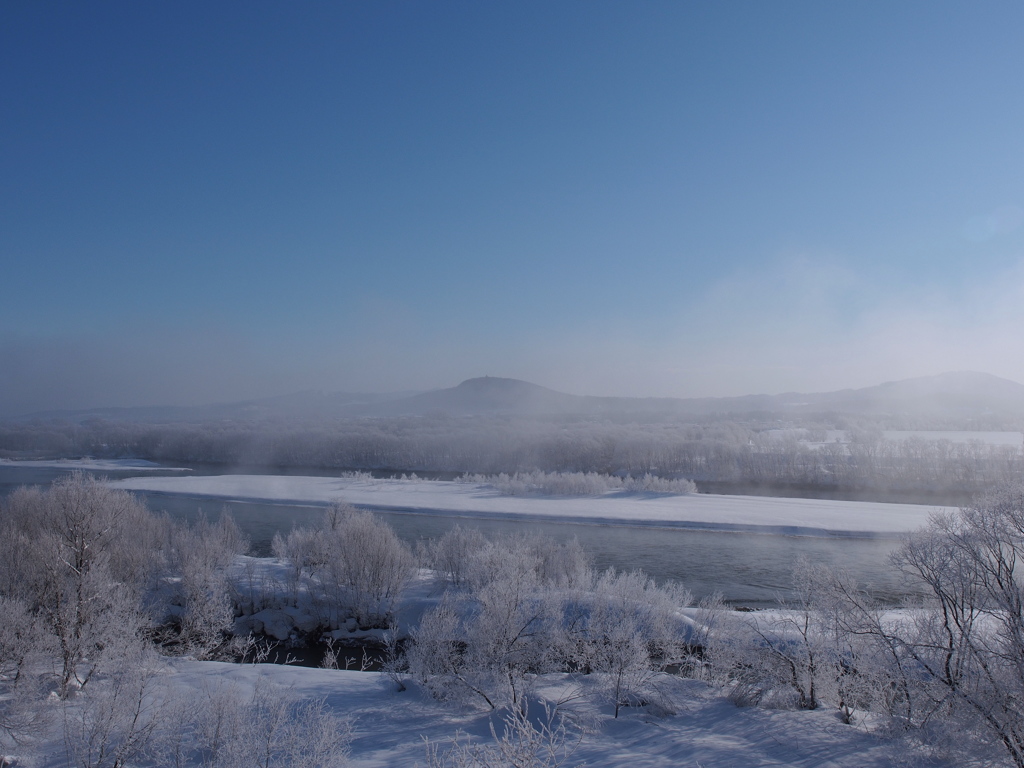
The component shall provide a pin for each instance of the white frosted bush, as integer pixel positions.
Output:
(522, 743)
(116, 721)
(271, 728)
(452, 553)
(201, 557)
(353, 564)
(579, 484)
(533, 606)
(653, 484)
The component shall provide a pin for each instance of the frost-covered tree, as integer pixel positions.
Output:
(490, 641)
(533, 606)
(437, 656)
(816, 648)
(451, 554)
(967, 645)
(352, 564)
(369, 560)
(626, 629)
(23, 643)
(79, 557)
(201, 557)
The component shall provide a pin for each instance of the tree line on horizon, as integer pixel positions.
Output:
(723, 450)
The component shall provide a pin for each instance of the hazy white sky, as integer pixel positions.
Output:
(674, 199)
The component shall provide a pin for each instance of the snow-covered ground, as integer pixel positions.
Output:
(708, 512)
(708, 731)
(389, 729)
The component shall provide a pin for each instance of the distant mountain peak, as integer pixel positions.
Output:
(952, 394)
(499, 384)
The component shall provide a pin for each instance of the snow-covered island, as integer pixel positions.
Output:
(473, 499)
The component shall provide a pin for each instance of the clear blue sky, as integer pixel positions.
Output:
(215, 201)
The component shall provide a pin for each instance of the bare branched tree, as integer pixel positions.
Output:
(967, 646)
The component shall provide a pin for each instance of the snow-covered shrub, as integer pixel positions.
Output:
(436, 658)
(486, 646)
(353, 565)
(812, 651)
(370, 561)
(201, 557)
(537, 743)
(830, 645)
(271, 728)
(394, 665)
(256, 588)
(533, 606)
(555, 483)
(579, 484)
(116, 721)
(626, 629)
(652, 484)
(707, 623)
(551, 563)
(356, 475)
(76, 556)
(510, 557)
(306, 552)
(487, 641)
(23, 642)
(451, 554)
(562, 564)
(510, 635)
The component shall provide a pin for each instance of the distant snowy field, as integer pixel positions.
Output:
(699, 511)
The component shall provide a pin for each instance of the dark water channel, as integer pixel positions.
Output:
(747, 568)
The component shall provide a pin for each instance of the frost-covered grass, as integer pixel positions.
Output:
(470, 499)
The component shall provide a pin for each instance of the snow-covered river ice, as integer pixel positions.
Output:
(749, 568)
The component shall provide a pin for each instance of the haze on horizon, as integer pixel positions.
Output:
(216, 203)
